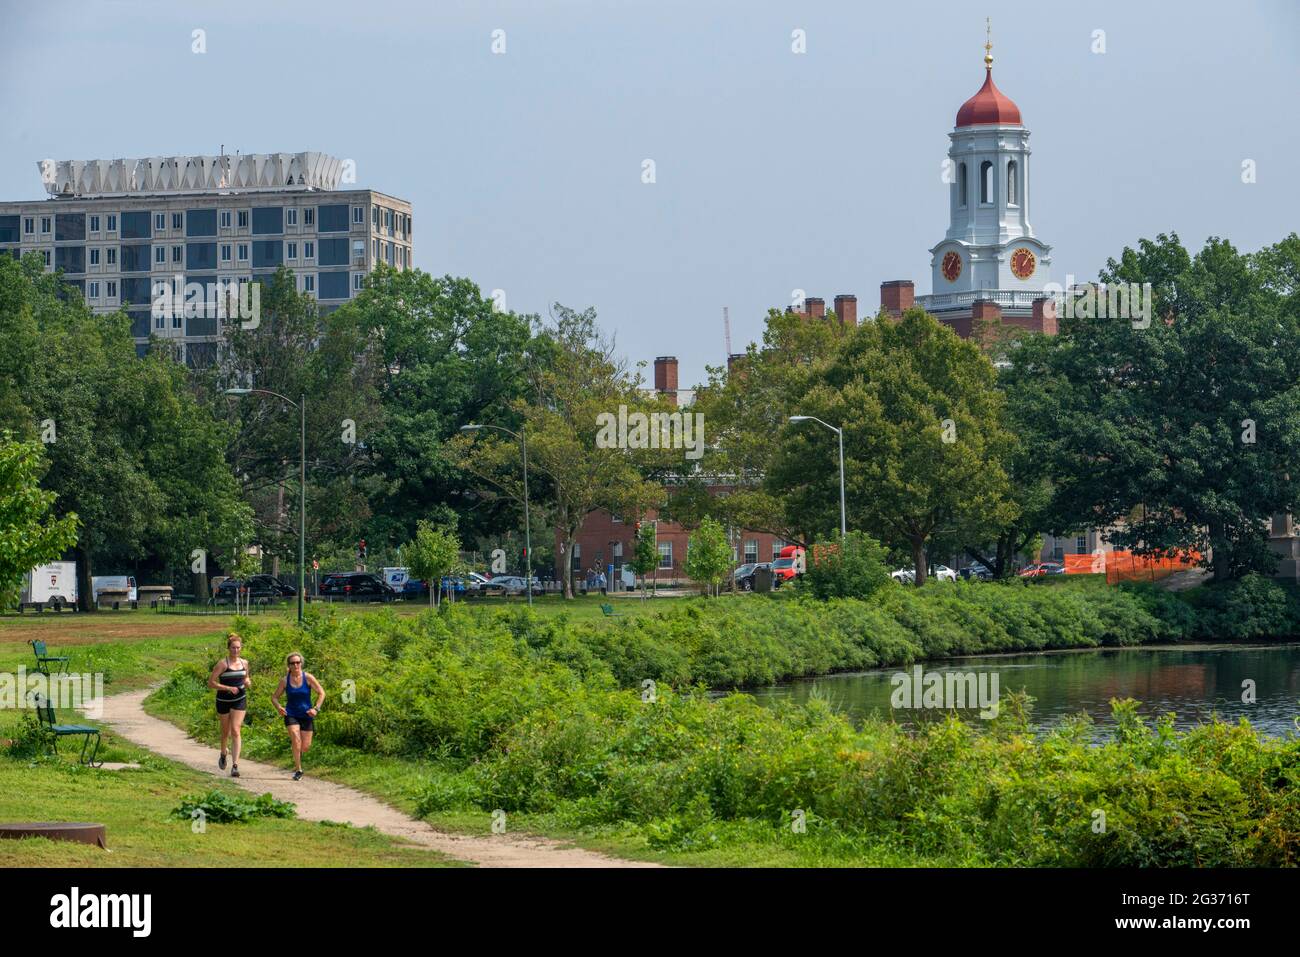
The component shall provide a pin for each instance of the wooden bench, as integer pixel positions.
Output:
(45, 714)
(44, 659)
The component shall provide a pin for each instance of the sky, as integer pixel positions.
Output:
(774, 171)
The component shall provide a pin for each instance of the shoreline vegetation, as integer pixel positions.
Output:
(605, 732)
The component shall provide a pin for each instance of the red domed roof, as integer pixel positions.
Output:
(988, 107)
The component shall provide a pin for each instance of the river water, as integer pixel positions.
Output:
(1193, 681)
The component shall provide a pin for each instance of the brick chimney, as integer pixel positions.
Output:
(985, 310)
(1045, 316)
(846, 309)
(897, 295)
(814, 307)
(666, 377)
(734, 360)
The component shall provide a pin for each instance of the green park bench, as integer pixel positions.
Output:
(50, 725)
(609, 611)
(44, 659)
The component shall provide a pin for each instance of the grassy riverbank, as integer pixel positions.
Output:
(457, 714)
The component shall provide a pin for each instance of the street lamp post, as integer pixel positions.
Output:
(301, 406)
(528, 540)
(844, 528)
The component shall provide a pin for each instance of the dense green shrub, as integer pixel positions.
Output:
(852, 568)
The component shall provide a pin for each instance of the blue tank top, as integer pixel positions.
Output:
(297, 700)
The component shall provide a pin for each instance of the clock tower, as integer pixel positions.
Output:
(989, 254)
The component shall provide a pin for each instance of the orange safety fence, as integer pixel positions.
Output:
(1125, 566)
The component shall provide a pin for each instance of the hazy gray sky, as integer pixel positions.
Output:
(775, 171)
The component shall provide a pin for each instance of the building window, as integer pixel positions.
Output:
(94, 224)
(986, 182)
(243, 252)
(178, 253)
(225, 219)
(359, 215)
(358, 251)
(1011, 184)
(242, 219)
(160, 255)
(376, 243)
(291, 216)
(777, 545)
(374, 216)
(110, 288)
(92, 290)
(308, 283)
(291, 251)
(751, 551)
(356, 281)
(963, 187)
(309, 216)
(94, 256)
(1081, 545)
(112, 222)
(576, 558)
(159, 222)
(308, 250)
(29, 225)
(45, 224)
(178, 220)
(112, 255)
(225, 252)
(160, 322)
(665, 554)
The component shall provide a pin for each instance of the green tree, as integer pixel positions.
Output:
(1180, 432)
(30, 534)
(924, 439)
(131, 451)
(433, 554)
(708, 556)
(645, 553)
(573, 379)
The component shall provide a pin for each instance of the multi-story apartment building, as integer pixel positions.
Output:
(117, 229)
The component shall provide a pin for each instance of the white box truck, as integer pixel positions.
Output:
(103, 583)
(51, 584)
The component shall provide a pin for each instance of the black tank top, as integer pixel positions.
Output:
(235, 678)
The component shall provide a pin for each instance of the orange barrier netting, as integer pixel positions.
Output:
(1125, 566)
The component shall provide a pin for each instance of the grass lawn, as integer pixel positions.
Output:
(136, 804)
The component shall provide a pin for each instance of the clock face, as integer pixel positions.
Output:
(1023, 263)
(951, 266)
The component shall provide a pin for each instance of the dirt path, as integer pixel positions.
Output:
(325, 801)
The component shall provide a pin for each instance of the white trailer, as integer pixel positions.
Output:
(52, 584)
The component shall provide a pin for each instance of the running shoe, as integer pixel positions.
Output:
(221, 761)
(297, 775)
(234, 770)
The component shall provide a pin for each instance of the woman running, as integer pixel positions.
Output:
(299, 713)
(231, 681)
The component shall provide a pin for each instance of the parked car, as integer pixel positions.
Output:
(259, 586)
(744, 576)
(514, 584)
(356, 585)
(482, 585)
(904, 576)
(942, 573)
(102, 583)
(1039, 569)
(976, 571)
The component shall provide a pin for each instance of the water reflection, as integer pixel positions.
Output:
(1193, 681)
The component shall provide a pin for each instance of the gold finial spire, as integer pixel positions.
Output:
(988, 43)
